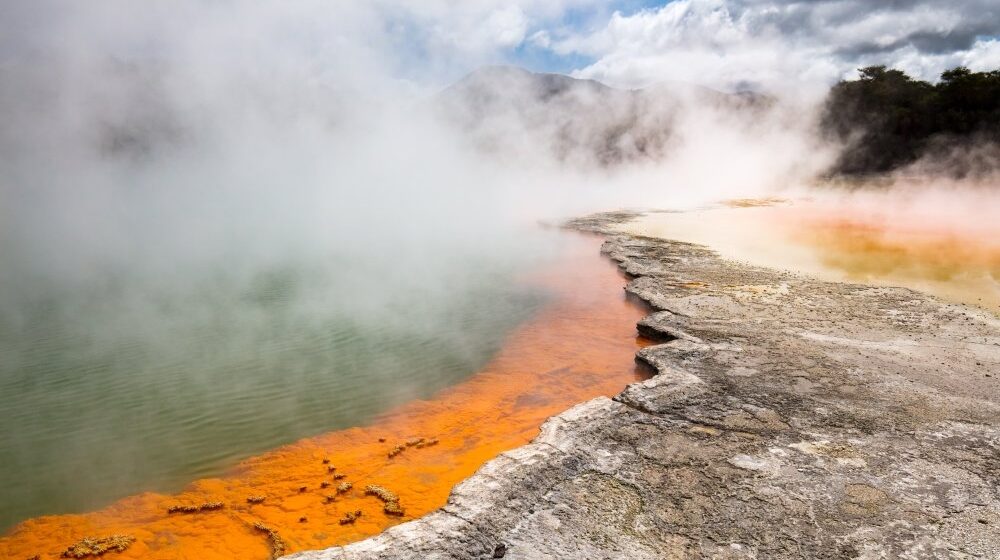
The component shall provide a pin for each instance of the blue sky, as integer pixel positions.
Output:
(415, 40)
(725, 44)
(580, 21)
(760, 44)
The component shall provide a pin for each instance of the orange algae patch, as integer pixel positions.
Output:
(312, 494)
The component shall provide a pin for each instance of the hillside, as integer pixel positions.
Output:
(511, 111)
(889, 121)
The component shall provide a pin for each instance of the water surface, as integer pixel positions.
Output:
(122, 383)
(580, 345)
(837, 242)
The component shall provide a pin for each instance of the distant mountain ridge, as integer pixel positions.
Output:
(511, 111)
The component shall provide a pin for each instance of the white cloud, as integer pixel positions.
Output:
(738, 43)
(478, 32)
(432, 41)
(984, 55)
(723, 43)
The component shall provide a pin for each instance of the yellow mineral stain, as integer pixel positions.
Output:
(347, 485)
(955, 267)
(836, 241)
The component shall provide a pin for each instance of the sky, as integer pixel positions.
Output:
(727, 44)
(738, 44)
(741, 44)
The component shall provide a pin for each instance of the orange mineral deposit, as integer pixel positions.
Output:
(347, 485)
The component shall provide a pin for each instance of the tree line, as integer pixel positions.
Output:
(889, 120)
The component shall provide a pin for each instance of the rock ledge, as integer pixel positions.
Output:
(790, 418)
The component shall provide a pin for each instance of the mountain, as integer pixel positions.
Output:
(511, 111)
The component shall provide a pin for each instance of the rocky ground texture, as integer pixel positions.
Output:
(789, 418)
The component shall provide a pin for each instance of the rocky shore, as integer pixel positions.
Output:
(789, 418)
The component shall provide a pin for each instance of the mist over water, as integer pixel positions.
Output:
(113, 400)
(225, 229)
(207, 252)
(172, 306)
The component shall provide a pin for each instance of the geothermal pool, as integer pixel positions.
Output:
(833, 241)
(106, 396)
(562, 334)
(188, 449)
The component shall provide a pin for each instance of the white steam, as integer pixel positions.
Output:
(162, 163)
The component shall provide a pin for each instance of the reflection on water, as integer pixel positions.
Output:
(833, 243)
(581, 344)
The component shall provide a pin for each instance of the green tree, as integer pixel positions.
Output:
(887, 119)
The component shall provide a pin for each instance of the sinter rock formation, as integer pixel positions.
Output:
(790, 418)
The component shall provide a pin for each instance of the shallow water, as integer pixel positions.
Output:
(579, 345)
(836, 242)
(108, 392)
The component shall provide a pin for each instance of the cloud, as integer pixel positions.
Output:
(430, 42)
(734, 44)
(481, 31)
(729, 44)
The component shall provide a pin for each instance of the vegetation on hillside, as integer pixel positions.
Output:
(888, 120)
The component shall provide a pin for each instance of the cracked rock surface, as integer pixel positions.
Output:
(789, 418)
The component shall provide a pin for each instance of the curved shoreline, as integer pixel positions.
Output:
(577, 347)
(789, 418)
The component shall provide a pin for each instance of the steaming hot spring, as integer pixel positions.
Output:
(499, 280)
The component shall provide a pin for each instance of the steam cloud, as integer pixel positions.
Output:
(175, 134)
(156, 156)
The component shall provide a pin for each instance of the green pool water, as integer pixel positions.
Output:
(124, 384)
